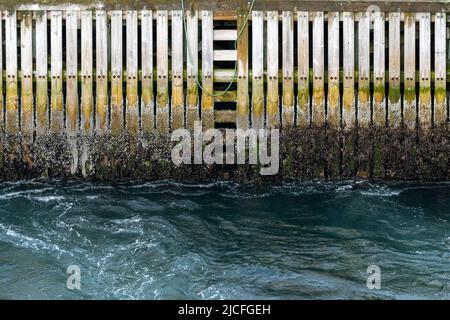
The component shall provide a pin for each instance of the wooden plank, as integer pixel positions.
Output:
(394, 107)
(224, 75)
(72, 73)
(87, 109)
(162, 90)
(222, 96)
(409, 96)
(363, 117)
(192, 99)
(1, 77)
(177, 114)
(287, 102)
(334, 112)
(225, 35)
(242, 105)
(440, 99)
(12, 103)
(147, 103)
(303, 103)
(26, 55)
(101, 86)
(348, 99)
(117, 118)
(72, 113)
(273, 111)
(56, 107)
(42, 116)
(225, 55)
(207, 70)
(425, 113)
(257, 113)
(379, 108)
(225, 116)
(132, 107)
(227, 7)
(318, 101)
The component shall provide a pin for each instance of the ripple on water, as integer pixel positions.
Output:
(224, 241)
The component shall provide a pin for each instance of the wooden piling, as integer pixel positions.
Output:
(56, 106)
(207, 70)
(117, 116)
(364, 116)
(379, 106)
(348, 99)
(101, 85)
(425, 112)
(162, 92)
(334, 112)
(409, 94)
(12, 99)
(394, 106)
(273, 112)
(177, 112)
(318, 97)
(72, 112)
(303, 101)
(132, 101)
(192, 101)
(147, 101)
(242, 105)
(257, 69)
(287, 102)
(1, 82)
(440, 80)
(42, 112)
(87, 93)
(26, 54)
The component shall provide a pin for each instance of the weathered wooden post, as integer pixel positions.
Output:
(257, 69)
(132, 100)
(394, 107)
(273, 111)
(318, 97)
(72, 113)
(177, 114)
(147, 100)
(12, 99)
(440, 80)
(26, 63)
(56, 107)
(42, 118)
(425, 112)
(303, 103)
(242, 106)
(287, 104)
(207, 69)
(101, 85)
(409, 94)
(162, 93)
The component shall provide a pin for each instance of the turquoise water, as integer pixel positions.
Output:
(223, 241)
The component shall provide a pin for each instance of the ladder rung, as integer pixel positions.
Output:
(225, 35)
(225, 55)
(229, 96)
(225, 116)
(223, 75)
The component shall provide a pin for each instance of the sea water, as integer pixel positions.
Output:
(224, 241)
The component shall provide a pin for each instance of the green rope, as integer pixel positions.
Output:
(235, 48)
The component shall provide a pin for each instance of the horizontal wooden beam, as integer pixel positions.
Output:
(231, 5)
